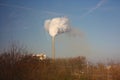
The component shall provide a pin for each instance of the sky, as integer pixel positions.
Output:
(22, 21)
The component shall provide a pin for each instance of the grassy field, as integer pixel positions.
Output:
(18, 64)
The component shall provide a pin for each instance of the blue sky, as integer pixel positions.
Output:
(23, 21)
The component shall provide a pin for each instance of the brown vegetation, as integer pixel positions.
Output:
(16, 64)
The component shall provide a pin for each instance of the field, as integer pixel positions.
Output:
(18, 64)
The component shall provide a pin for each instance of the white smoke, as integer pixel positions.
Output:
(57, 25)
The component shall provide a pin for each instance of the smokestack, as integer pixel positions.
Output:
(55, 27)
(53, 48)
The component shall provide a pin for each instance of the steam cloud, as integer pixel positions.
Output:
(57, 26)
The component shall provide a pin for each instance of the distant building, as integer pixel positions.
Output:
(108, 67)
(41, 56)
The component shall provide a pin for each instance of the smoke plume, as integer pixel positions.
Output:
(57, 26)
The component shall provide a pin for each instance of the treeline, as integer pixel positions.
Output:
(18, 64)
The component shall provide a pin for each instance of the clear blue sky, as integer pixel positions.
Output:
(23, 21)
